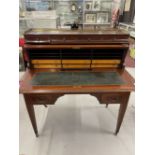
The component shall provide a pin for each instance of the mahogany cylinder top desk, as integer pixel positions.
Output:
(60, 62)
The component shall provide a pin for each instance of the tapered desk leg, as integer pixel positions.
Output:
(30, 110)
(45, 105)
(122, 110)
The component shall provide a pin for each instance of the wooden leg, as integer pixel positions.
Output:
(106, 105)
(45, 105)
(30, 110)
(122, 110)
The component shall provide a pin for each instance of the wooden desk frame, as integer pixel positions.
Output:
(114, 41)
(44, 95)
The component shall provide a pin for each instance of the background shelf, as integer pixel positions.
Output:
(64, 12)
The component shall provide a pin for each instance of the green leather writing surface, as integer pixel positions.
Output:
(76, 78)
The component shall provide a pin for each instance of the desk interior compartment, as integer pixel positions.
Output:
(76, 58)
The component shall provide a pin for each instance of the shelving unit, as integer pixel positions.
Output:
(35, 5)
(69, 11)
(38, 19)
(97, 13)
(87, 13)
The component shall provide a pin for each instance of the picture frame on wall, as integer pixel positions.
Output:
(96, 5)
(73, 7)
(88, 6)
(90, 18)
(102, 17)
(106, 6)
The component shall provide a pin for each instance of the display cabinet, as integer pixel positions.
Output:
(38, 19)
(87, 13)
(69, 11)
(97, 12)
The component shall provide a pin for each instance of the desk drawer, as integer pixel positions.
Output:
(76, 62)
(55, 66)
(70, 66)
(104, 66)
(112, 98)
(40, 98)
(108, 61)
(44, 61)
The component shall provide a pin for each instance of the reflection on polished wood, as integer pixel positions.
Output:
(106, 61)
(46, 61)
(47, 66)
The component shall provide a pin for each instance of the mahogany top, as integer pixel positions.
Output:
(46, 31)
(87, 37)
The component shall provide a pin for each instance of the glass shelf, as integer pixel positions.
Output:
(64, 11)
(68, 1)
(96, 23)
(95, 11)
